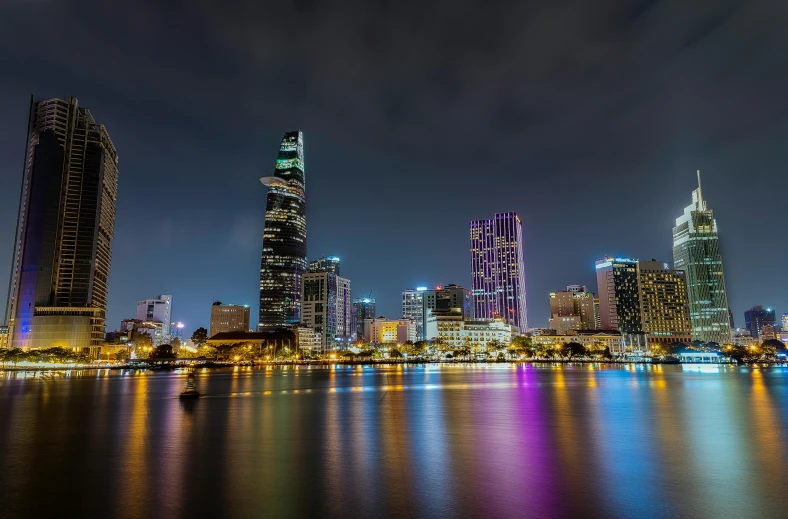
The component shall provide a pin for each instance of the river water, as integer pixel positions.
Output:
(500, 440)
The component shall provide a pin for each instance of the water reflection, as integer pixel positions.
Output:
(397, 441)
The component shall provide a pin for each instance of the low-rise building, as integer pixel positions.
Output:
(309, 341)
(591, 338)
(229, 318)
(389, 331)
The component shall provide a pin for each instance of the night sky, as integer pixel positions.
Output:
(588, 119)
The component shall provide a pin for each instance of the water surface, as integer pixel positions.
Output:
(438, 441)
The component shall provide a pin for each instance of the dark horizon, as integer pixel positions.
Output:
(588, 121)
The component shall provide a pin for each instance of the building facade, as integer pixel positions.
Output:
(64, 248)
(619, 295)
(229, 318)
(283, 261)
(413, 308)
(663, 303)
(380, 330)
(159, 310)
(613, 341)
(498, 270)
(455, 332)
(757, 317)
(326, 307)
(572, 309)
(696, 250)
(363, 308)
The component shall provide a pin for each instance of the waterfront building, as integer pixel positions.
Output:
(158, 309)
(442, 298)
(696, 251)
(455, 332)
(229, 318)
(309, 341)
(64, 246)
(283, 261)
(663, 303)
(742, 337)
(619, 296)
(498, 270)
(756, 318)
(785, 322)
(380, 330)
(363, 308)
(590, 339)
(325, 302)
(3, 337)
(644, 301)
(413, 308)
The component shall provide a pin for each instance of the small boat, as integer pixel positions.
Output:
(190, 391)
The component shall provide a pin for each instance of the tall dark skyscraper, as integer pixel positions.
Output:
(64, 247)
(696, 250)
(498, 270)
(283, 262)
(757, 317)
(363, 308)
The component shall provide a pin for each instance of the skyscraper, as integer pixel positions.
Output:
(413, 308)
(363, 308)
(663, 303)
(643, 299)
(325, 264)
(696, 251)
(498, 270)
(64, 247)
(326, 304)
(619, 295)
(283, 260)
(757, 317)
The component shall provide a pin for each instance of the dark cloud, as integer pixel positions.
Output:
(588, 118)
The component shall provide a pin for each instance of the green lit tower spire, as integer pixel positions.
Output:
(283, 261)
(696, 250)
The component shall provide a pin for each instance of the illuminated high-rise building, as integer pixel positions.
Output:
(283, 262)
(157, 310)
(363, 308)
(325, 305)
(619, 295)
(325, 264)
(696, 251)
(413, 308)
(663, 303)
(64, 246)
(757, 317)
(498, 270)
(228, 318)
(572, 309)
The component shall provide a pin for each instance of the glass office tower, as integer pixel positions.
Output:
(283, 261)
(696, 251)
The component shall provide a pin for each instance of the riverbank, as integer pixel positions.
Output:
(372, 362)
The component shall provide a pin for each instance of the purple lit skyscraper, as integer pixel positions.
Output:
(498, 269)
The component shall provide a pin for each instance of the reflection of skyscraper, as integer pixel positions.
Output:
(64, 247)
(696, 251)
(283, 261)
(498, 269)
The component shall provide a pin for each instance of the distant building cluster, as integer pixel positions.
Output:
(58, 296)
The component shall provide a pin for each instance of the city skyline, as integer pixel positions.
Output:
(559, 150)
